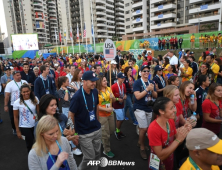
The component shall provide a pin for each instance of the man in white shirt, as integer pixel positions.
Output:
(12, 91)
(71, 73)
(173, 59)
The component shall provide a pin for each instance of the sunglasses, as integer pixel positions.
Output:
(146, 71)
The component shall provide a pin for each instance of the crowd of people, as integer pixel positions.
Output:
(205, 41)
(59, 103)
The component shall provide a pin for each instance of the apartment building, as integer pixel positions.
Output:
(207, 13)
(43, 17)
(107, 17)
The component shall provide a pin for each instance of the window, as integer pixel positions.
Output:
(127, 19)
(127, 12)
(126, 5)
(128, 26)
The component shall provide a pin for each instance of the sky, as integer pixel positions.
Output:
(2, 20)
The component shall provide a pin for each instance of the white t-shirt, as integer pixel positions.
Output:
(181, 66)
(70, 76)
(173, 60)
(26, 118)
(14, 90)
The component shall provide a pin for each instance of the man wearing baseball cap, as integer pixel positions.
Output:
(119, 91)
(84, 111)
(205, 150)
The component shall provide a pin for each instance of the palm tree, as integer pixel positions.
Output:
(208, 26)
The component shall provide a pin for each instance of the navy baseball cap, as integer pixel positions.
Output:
(158, 68)
(7, 68)
(89, 75)
(144, 66)
(121, 75)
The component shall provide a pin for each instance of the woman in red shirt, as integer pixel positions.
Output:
(212, 108)
(163, 136)
(83, 66)
(186, 90)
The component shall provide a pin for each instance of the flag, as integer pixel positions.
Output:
(70, 34)
(77, 35)
(60, 36)
(84, 32)
(109, 52)
(56, 35)
(64, 34)
(92, 31)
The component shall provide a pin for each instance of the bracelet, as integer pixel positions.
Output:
(66, 91)
(195, 99)
(117, 99)
(177, 141)
(146, 90)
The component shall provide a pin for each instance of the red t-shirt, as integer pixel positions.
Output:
(179, 108)
(57, 75)
(207, 52)
(163, 41)
(18, 69)
(185, 107)
(149, 58)
(158, 137)
(87, 69)
(209, 107)
(116, 93)
(145, 63)
(171, 41)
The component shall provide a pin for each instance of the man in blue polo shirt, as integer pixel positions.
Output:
(144, 92)
(84, 111)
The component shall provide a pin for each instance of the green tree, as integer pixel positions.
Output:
(208, 26)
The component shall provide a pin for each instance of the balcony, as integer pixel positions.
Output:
(101, 7)
(53, 19)
(111, 32)
(196, 1)
(101, 2)
(52, 10)
(118, 32)
(110, 21)
(109, 5)
(137, 20)
(100, 19)
(137, 4)
(120, 28)
(110, 26)
(101, 13)
(120, 9)
(119, 19)
(139, 28)
(101, 36)
(39, 19)
(204, 18)
(120, 23)
(207, 7)
(110, 11)
(110, 16)
(137, 12)
(101, 30)
(51, 2)
(52, 6)
(111, 1)
(156, 1)
(38, 9)
(52, 15)
(37, 4)
(119, 14)
(119, 4)
(163, 16)
(163, 25)
(100, 25)
(165, 7)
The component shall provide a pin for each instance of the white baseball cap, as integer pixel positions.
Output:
(113, 62)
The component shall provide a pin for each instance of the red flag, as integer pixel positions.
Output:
(60, 36)
(42, 16)
(36, 15)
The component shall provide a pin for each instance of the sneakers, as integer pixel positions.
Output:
(143, 154)
(118, 137)
(1, 121)
(77, 152)
(109, 154)
(122, 135)
(135, 123)
(126, 118)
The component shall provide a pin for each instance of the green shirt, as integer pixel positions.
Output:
(139, 63)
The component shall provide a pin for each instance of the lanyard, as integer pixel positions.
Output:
(121, 93)
(86, 102)
(17, 85)
(61, 129)
(44, 83)
(218, 106)
(193, 163)
(162, 81)
(211, 66)
(28, 108)
(168, 133)
(60, 149)
(144, 85)
(105, 94)
(184, 111)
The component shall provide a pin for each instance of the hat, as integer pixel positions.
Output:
(158, 68)
(191, 52)
(144, 66)
(121, 75)
(7, 68)
(113, 62)
(89, 75)
(201, 138)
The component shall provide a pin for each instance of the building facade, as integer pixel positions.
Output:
(37, 16)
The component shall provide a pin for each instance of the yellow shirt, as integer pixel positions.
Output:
(201, 39)
(192, 38)
(70, 61)
(188, 166)
(211, 38)
(106, 96)
(189, 72)
(136, 67)
(78, 62)
(165, 71)
(215, 68)
(220, 39)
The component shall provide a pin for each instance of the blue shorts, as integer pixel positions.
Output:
(120, 115)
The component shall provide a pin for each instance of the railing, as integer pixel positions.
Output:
(198, 6)
(202, 15)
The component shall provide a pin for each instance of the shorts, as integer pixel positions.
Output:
(143, 118)
(120, 115)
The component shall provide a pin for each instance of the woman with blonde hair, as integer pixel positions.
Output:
(186, 90)
(212, 108)
(106, 116)
(51, 150)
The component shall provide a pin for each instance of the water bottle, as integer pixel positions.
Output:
(192, 99)
(193, 117)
